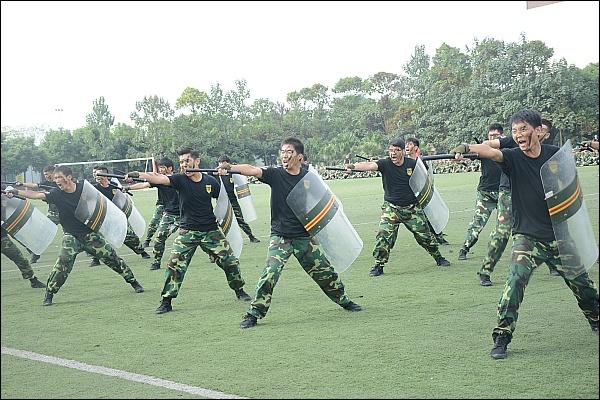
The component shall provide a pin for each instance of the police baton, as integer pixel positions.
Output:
(209, 171)
(471, 156)
(119, 177)
(342, 169)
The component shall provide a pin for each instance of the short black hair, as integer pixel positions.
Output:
(531, 117)
(100, 168)
(48, 168)
(548, 123)
(224, 158)
(165, 162)
(295, 142)
(188, 150)
(397, 142)
(496, 127)
(414, 141)
(63, 169)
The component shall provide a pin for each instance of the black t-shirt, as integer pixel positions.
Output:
(66, 204)
(506, 143)
(168, 197)
(529, 209)
(490, 176)
(229, 187)
(283, 220)
(108, 191)
(195, 201)
(395, 180)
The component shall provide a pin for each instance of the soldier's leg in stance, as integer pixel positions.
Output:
(318, 267)
(486, 203)
(133, 242)
(70, 247)
(156, 217)
(416, 222)
(97, 245)
(10, 250)
(387, 234)
(499, 236)
(279, 252)
(168, 224)
(179, 260)
(215, 244)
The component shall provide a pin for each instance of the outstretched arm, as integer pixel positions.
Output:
(152, 177)
(27, 193)
(483, 150)
(244, 169)
(363, 166)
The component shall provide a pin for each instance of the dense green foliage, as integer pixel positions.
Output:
(443, 100)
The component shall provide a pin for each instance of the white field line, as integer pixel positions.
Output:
(150, 380)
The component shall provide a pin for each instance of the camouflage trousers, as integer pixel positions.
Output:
(414, 220)
(155, 221)
(486, 203)
(527, 255)
(237, 210)
(169, 223)
(312, 260)
(500, 235)
(214, 244)
(10, 250)
(93, 243)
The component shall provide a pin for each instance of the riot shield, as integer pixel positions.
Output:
(27, 224)
(421, 183)
(101, 215)
(242, 192)
(568, 213)
(135, 219)
(228, 222)
(322, 215)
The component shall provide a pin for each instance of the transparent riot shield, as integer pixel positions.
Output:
(568, 213)
(242, 192)
(135, 219)
(101, 215)
(322, 215)
(421, 183)
(228, 222)
(27, 224)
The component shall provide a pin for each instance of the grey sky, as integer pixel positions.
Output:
(63, 55)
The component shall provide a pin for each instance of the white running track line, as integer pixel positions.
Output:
(150, 380)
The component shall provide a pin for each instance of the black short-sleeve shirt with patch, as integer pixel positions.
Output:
(283, 220)
(195, 201)
(529, 209)
(396, 179)
(66, 203)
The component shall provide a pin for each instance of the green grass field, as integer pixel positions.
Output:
(424, 332)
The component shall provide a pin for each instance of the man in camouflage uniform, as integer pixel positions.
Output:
(45, 185)
(77, 236)
(10, 250)
(487, 196)
(104, 186)
(237, 210)
(534, 241)
(501, 233)
(169, 199)
(198, 228)
(288, 235)
(399, 206)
